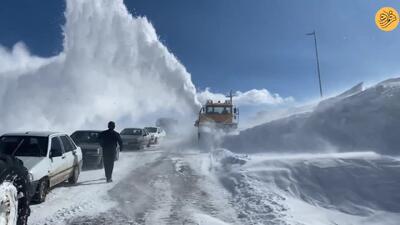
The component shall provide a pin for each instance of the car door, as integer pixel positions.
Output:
(69, 156)
(147, 137)
(76, 152)
(56, 161)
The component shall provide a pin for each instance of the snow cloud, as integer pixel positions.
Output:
(113, 67)
(253, 97)
(18, 60)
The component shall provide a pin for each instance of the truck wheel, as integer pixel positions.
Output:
(42, 190)
(15, 191)
(75, 175)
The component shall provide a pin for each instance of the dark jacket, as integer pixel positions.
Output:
(109, 140)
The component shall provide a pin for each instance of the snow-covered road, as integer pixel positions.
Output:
(165, 185)
(155, 186)
(90, 195)
(165, 191)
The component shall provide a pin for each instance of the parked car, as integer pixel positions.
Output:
(89, 142)
(51, 158)
(135, 138)
(156, 134)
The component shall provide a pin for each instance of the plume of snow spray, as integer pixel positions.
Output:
(113, 67)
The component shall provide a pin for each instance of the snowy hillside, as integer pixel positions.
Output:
(357, 120)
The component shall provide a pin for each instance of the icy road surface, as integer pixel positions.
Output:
(164, 185)
(155, 186)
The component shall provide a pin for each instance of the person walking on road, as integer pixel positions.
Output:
(108, 141)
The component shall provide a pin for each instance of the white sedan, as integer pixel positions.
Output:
(51, 158)
(156, 133)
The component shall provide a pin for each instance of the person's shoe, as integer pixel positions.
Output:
(109, 180)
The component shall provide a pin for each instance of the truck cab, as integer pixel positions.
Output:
(222, 115)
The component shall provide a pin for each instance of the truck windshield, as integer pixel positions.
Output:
(80, 137)
(219, 110)
(24, 145)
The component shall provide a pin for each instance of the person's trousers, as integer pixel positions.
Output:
(108, 160)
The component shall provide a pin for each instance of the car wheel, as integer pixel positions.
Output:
(14, 194)
(75, 175)
(42, 190)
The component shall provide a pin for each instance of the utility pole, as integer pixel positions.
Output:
(230, 96)
(316, 54)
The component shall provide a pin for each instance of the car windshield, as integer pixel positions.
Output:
(80, 137)
(151, 129)
(24, 145)
(132, 131)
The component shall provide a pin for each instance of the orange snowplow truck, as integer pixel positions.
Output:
(219, 115)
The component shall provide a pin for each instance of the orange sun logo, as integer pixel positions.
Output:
(387, 19)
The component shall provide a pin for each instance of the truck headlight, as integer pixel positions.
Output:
(98, 151)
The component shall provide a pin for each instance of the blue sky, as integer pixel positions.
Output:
(242, 44)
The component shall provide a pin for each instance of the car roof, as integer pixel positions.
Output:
(33, 133)
(88, 131)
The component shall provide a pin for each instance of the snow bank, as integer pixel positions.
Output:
(316, 189)
(357, 120)
(113, 67)
(356, 184)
